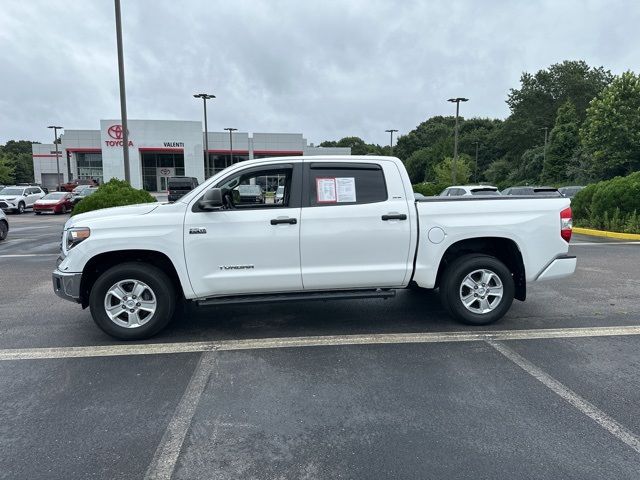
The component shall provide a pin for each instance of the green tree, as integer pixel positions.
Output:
(563, 144)
(499, 173)
(17, 155)
(611, 131)
(443, 170)
(357, 145)
(6, 171)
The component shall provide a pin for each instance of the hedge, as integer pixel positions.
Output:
(612, 205)
(428, 189)
(114, 193)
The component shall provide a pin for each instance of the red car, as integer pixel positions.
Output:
(69, 186)
(55, 202)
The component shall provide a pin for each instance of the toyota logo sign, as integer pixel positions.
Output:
(116, 132)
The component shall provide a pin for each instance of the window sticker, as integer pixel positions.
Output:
(326, 190)
(346, 189)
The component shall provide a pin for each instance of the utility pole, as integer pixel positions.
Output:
(390, 131)
(455, 141)
(207, 162)
(55, 141)
(123, 95)
(231, 130)
(476, 173)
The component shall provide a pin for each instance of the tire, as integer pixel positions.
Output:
(4, 230)
(159, 289)
(21, 208)
(465, 278)
(37, 213)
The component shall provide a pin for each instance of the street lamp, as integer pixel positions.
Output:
(476, 173)
(390, 131)
(205, 97)
(55, 141)
(123, 95)
(544, 152)
(455, 141)
(231, 130)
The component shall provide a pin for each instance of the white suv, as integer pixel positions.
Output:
(18, 198)
(4, 226)
(466, 190)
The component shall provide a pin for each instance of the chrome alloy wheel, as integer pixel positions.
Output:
(130, 303)
(481, 291)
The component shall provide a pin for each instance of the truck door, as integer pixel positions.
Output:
(253, 245)
(355, 226)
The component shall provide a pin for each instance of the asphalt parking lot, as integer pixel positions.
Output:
(353, 389)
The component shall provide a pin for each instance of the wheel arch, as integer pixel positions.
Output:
(103, 261)
(504, 249)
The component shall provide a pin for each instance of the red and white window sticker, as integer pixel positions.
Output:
(336, 190)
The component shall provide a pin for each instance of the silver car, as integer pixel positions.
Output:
(18, 198)
(4, 226)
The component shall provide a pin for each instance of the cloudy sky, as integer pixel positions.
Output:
(325, 68)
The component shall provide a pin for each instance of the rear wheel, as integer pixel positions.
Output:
(4, 230)
(477, 289)
(132, 301)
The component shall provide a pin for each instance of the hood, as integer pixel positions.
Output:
(9, 197)
(127, 211)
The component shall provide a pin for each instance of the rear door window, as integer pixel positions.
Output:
(345, 184)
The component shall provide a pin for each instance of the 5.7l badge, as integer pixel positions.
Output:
(195, 231)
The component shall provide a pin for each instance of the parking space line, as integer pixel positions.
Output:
(580, 244)
(17, 255)
(290, 342)
(605, 421)
(166, 454)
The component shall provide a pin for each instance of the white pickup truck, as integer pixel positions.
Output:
(346, 227)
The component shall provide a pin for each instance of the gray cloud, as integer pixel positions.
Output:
(324, 68)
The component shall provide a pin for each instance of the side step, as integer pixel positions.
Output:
(297, 296)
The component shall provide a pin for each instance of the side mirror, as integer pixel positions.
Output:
(212, 199)
(25, 194)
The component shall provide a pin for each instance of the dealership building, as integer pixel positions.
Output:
(159, 149)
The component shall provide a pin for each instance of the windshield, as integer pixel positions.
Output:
(485, 191)
(54, 196)
(11, 191)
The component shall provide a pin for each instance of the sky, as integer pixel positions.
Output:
(328, 69)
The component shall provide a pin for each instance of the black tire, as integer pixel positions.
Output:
(37, 213)
(4, 230)
(157, 281)
(451, 289)
(21, 208)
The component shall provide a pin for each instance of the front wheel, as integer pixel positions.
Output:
(4, 230)
(132, 301)
(21, 208)
(477, 289)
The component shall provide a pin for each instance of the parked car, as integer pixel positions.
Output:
(83, 193)
(467, 190)
(54, 202)
(179, 186)
(18, 199)
(250, 193)
(571, 191)
(79, 188)
(542, 191)
(349, 229)
(44, 189)
(4, 226)
(69, 186)
(279, 198)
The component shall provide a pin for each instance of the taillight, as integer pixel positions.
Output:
(566, 224)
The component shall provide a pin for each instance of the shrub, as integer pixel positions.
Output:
(612, 204)
(114, 193)
(428, 189)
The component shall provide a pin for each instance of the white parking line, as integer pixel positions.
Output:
(17, 255)
(581, 244)
(605, 421)
(166, 455)
(289, 342)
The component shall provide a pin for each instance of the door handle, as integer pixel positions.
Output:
(394, 216)
(278, 221)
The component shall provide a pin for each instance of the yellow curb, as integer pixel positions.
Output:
(604, 233)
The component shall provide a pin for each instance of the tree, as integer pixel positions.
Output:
(611, 131)
(498, 173)
(563, 144)
(357, 145)
(6, 171)
(435, 130)
(17, 156)
(444, 168)
(420, 164)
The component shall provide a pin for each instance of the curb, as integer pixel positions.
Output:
(604, 233)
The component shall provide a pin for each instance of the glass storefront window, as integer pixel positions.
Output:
(220, 161)
(89, 165)
(152, 162)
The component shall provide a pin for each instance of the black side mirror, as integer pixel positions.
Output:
(212, 199)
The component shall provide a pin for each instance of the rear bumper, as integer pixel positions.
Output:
(560, 267)
(67, 285)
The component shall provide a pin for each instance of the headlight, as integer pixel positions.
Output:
(76, 236)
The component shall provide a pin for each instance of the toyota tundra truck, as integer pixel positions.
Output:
(345, 228)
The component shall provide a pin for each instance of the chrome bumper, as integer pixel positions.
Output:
(67, 285)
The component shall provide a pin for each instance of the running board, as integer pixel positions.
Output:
(297, 296)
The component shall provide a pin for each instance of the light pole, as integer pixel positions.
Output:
(123, 95)
(231, 130)
(455, 141)
(476, 173)
(207, 163)
(544, 152)
(390, 131)
(55, 141)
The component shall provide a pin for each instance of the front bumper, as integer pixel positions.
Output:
(67, 285)
(560, 267)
